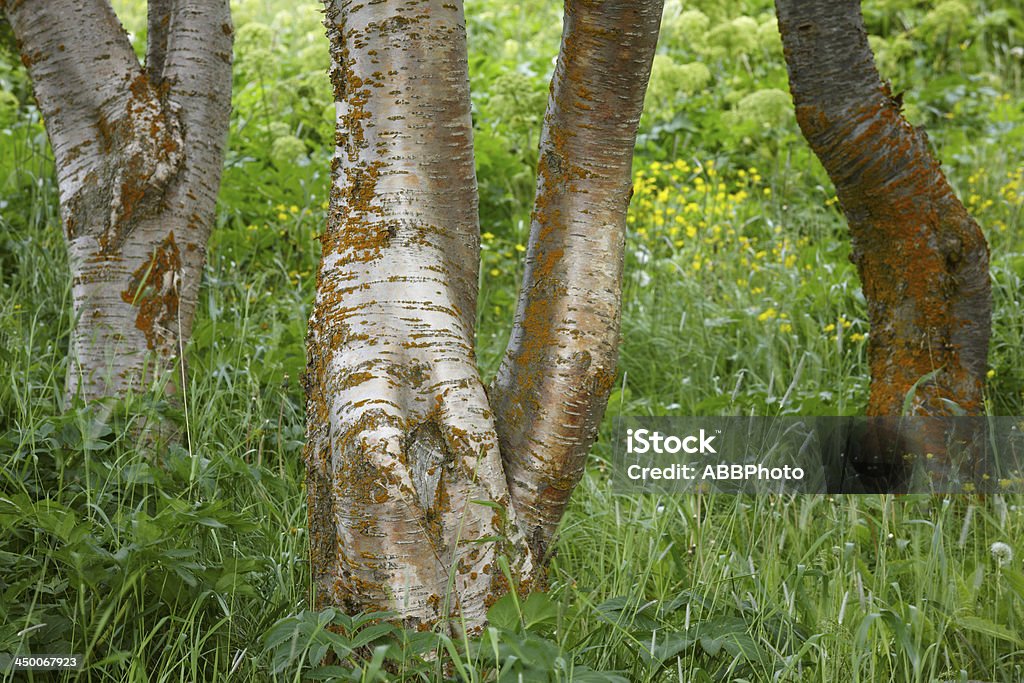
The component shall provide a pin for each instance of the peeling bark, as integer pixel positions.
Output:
(922, 259)
(553, 384)
(138, 156)
(404, 474)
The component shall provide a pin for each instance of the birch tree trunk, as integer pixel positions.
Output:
(553, 384)
(138, 153)
(922, 259)
(400, 440)
(408, 478)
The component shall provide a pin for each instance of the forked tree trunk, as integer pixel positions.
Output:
(922, 259)
(409, 505)
(138, 153)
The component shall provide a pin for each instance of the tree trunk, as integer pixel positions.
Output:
(553, 384)
(402, 457)
(922, 259)
(409, 501)
(138, 153)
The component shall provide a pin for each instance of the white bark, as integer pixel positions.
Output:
(402, 456)
(409, 495)
(138, 155)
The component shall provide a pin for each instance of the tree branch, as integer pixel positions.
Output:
(402, 460)
(80, 62)
(197, 70)
(559, 367)
(922, 259)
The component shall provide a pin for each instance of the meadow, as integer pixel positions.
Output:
(739, 300)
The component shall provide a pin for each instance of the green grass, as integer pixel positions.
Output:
(193, 565)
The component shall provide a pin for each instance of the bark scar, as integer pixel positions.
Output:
(428, 454)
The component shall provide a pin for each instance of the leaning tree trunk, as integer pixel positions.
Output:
(922, 259)
(410, 506)
(138, 154)
(552, 387)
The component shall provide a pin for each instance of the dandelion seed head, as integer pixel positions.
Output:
(1001, 553)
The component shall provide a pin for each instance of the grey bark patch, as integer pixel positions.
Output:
(427, 455)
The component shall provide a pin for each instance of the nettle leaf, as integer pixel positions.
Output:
(281, 631)
(306, 637)
(716, 637)
(712, 646)
(582, 674)
(316, 653)
(290, 638)
(374, 670)
(990, 629)
(331, 672)
(416, 643)
(743, 646)
(360, 620)
(684, 598)
(671, 646)
(717, 627)
(539, 610)
(504, 614)
(372, 633)
(137, 473)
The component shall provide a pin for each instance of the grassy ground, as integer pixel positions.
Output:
(739, 300)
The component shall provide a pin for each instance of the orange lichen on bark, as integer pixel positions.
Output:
(153, 291)
(127, 190)
(553, 383)
(397, 418)
(911, 258)
(921, 258)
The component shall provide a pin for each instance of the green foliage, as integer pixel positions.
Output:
(330, 645)
(765, 109)
(191, 562)
(671, 81)
(113, 553)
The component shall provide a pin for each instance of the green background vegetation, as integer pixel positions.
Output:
(739, 299)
